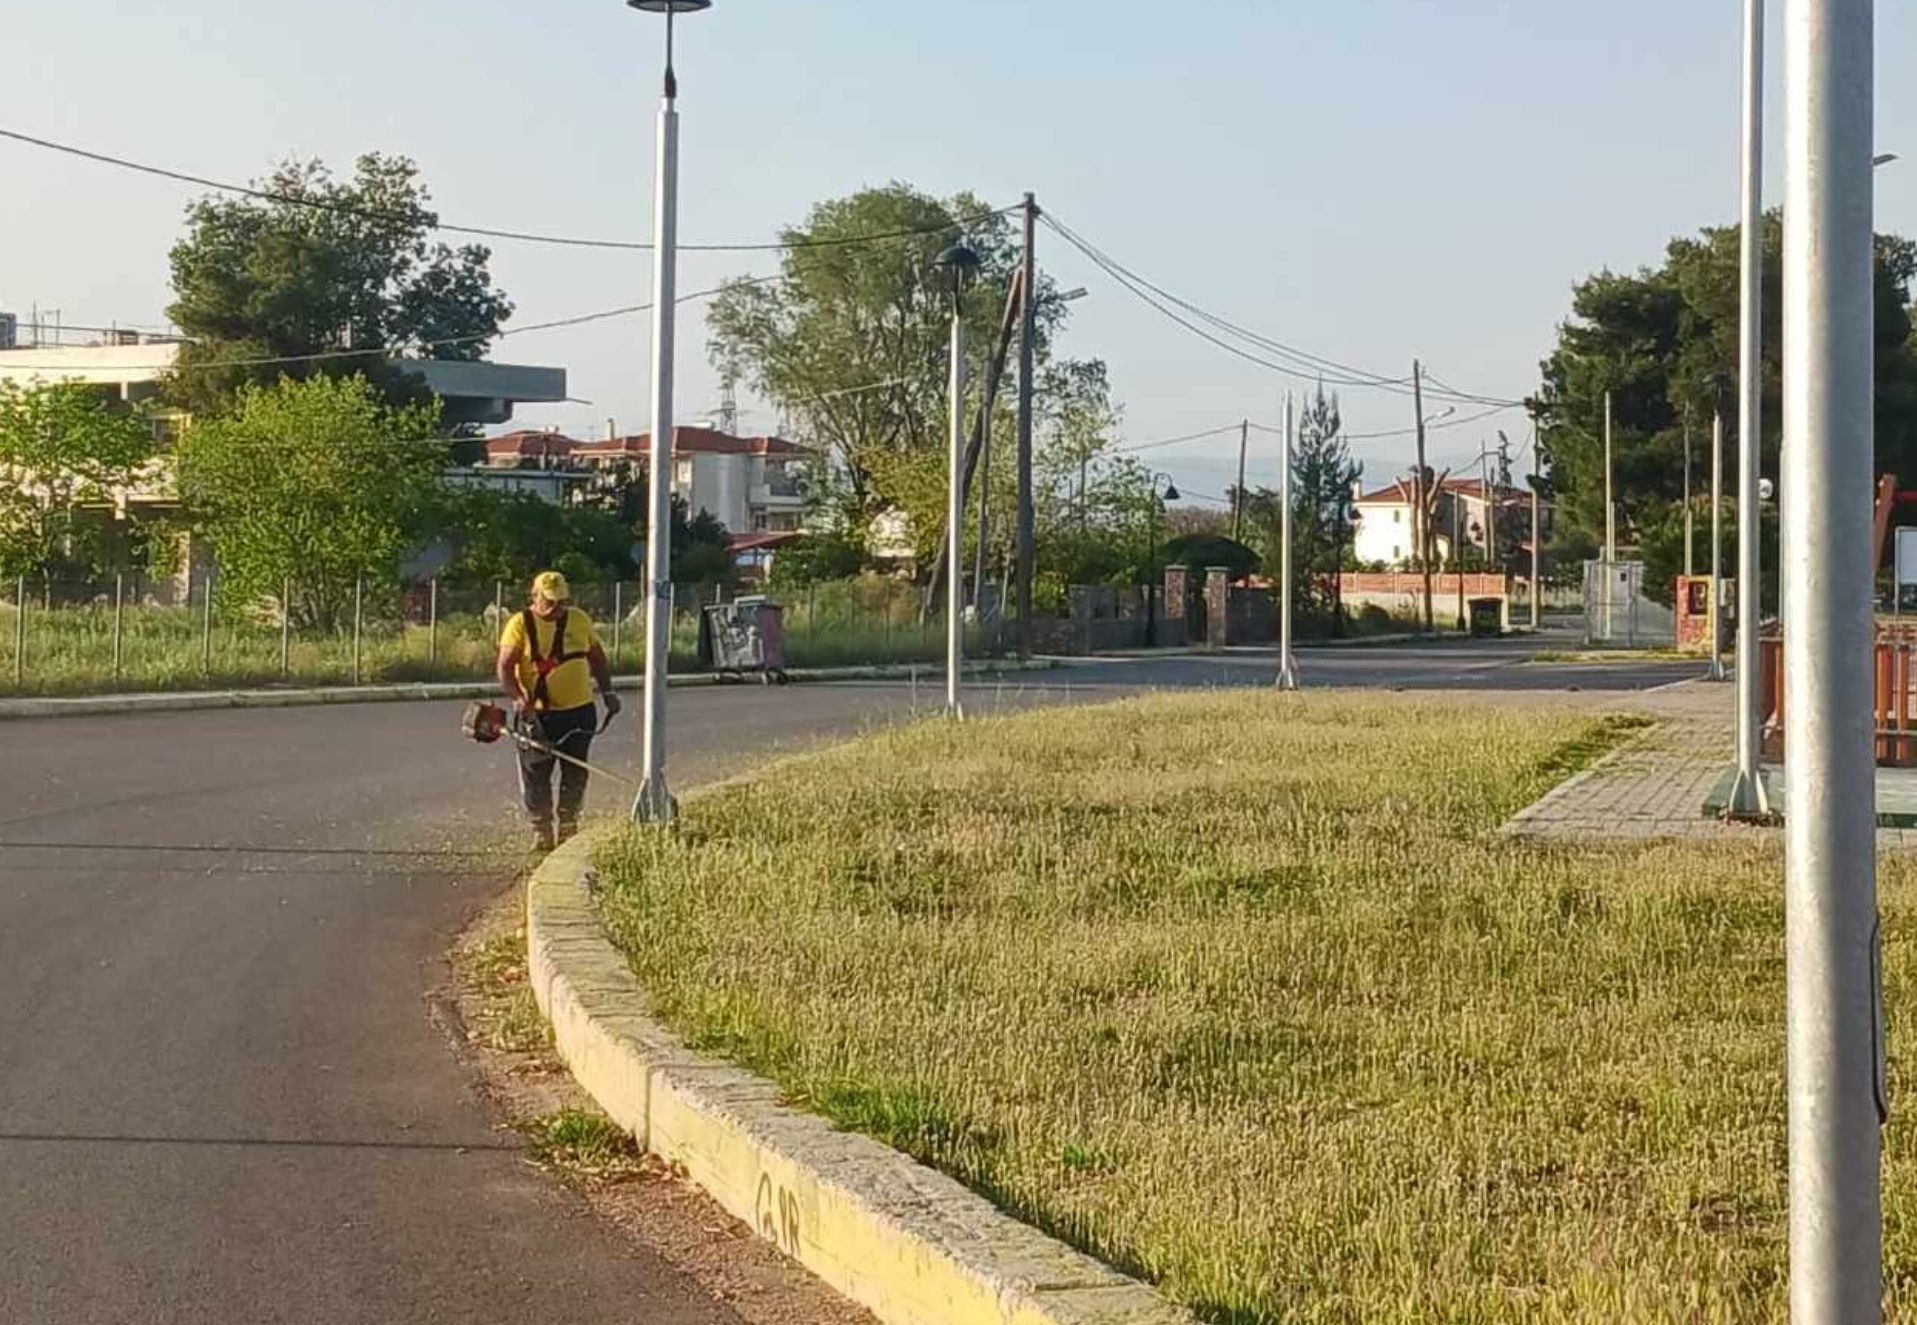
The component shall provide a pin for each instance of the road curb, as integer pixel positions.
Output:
(910, 1245)
(193, 701)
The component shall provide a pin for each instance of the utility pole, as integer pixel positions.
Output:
(1748, 799)
(1717, 547)
(955, 520)
(1027, 361)
(1287, 668)
(1834, 1047)
(1610, 505)
(1610, 577)
(1486, 480)
(1537, 523)
(1238, 493)
(1425, 500)
(984, 511)
(1689, 540)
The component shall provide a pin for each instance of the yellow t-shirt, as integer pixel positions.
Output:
(569, 685)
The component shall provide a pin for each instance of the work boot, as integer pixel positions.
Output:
(543, 840)
(568, 829)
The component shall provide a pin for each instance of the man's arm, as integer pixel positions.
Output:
(602, 676)
(507, 671)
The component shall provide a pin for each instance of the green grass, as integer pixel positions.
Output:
(1241, 994)
(69, 650)
(577, 1142)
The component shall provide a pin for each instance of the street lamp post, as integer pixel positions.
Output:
(1287, 667)
(959, 262)
(1154, 562)
(1748, 798)
(1834, 1027)
(654, 803)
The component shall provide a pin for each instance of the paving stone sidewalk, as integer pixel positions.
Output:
(1655, 785)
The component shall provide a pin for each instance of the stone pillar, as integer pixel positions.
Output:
(1173, 629)
(1217, 606)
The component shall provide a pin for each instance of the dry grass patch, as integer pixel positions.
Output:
(1240, 993)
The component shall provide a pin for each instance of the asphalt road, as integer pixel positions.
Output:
(222, 1097)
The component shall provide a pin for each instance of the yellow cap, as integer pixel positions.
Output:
(551, 586)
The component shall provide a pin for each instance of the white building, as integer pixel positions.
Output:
(472, 392)
(1386, 529)
(751, 485)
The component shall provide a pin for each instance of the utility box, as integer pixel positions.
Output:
(1696, 612)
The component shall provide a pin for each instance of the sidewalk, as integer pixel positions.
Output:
(1669, 781)
(1656, 784)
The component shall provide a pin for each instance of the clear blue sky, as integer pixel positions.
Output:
(1370, 181)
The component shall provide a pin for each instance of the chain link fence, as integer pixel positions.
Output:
(1616, 611)
(134, 632)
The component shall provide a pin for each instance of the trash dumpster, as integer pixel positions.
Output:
(1487, 616)
(744, 637)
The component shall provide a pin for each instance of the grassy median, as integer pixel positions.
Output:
(1239, 993)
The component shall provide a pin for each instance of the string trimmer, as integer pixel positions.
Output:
(489, 723)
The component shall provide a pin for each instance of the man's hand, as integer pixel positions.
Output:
(523, 708)
(613, 705)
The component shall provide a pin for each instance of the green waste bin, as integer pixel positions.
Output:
(1486, 616)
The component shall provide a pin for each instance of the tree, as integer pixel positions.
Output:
(64, 449)
(1198, 553)
(1663, 342)
(1322, 474)
(701, 544)
(315, 483)
(510, 536)
(322, 266)
(818, 558)
(851, 341)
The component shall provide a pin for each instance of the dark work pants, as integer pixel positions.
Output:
(570, 732)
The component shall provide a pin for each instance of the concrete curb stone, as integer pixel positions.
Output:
(204, 700)
(911, 1245)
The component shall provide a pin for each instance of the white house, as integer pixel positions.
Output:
(1386, 530)
(751, 485)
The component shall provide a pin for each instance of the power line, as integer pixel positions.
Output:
(1434, 427)
(385, 352)
(1313, 366)
(1173, 441)
(1304, 365)
(487, 232)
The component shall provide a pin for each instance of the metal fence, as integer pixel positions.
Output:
(132, 632)
(1616, 611)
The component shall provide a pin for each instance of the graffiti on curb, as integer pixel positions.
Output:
(776, 1215)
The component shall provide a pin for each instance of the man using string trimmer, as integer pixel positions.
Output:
(549, 659)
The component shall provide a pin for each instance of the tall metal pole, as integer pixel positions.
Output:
(1834, 1037)
(1287, 666)
(654, 803)
(1027, 384)
(1717, 547)
(955, 522)
(1537, 527)
(1748, 798)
